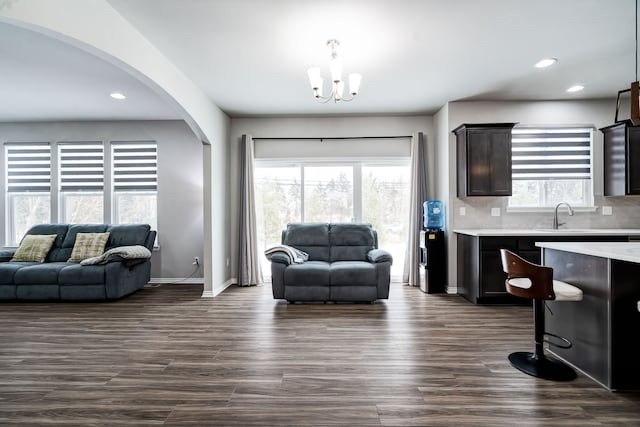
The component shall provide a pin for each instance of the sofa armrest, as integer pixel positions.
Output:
(6, 255)
(280, 258)
(379, 255)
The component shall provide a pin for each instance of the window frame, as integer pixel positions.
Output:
(357, 179)
(357, 166)
(141, 188)
(54, 190)
(588, 204)
(84, 188)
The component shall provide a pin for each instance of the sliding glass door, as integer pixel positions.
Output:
(385, 205)
(306, 191)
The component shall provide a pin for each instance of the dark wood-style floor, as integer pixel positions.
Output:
(164, 356)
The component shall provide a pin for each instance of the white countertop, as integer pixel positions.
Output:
(548, 232)
(623, 251)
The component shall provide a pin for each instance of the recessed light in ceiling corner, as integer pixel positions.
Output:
(547, 62)
(117, 95)
(575, 88)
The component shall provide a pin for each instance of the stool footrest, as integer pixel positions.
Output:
(541, 366)
(567, 343)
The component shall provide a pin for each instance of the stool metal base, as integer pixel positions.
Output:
(541, 366)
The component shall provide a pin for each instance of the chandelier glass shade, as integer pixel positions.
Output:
(337, 84)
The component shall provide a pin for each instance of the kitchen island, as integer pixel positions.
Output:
(604, 326)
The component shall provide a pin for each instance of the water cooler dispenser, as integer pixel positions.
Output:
(433, 258)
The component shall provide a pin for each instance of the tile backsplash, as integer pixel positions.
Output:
(480, 212)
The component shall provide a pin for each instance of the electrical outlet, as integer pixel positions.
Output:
(495, 211)
(463, 211)
(607, 210)
(227, 261)
(196, 260)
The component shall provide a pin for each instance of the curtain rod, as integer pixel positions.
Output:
(333, 138)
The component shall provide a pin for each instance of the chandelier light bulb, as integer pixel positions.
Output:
(314, 77)
(337, 84)
(354, 83)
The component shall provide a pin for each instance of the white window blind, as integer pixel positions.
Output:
(329, 148)
(544, 154)
(28, 167)
(81, 166)
(135, 166)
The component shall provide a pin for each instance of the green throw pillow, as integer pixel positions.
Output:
(88, 245)
(34, 247)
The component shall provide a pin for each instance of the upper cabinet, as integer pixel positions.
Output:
(484, 159)
(621, 159)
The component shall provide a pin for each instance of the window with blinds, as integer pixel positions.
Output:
(28, 167)
(81, 177)
(28, 185)
(135, 166)
(551, 165)
(551, 154)
(81, 166)
(135, 182)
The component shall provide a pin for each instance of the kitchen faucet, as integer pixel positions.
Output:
(556, 224)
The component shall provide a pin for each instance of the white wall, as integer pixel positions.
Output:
(217, 211)
(305, 127)
(595, 114)
(180, 180)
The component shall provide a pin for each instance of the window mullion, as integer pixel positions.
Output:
(357, 192)
(302, 210)
(55, 181)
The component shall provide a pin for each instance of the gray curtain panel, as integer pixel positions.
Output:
(418, 189)
(249, 272)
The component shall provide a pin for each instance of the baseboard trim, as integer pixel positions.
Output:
(177, 280)
(214, 293)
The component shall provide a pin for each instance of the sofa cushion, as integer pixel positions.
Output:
(46, 273)
(8, 270)
(308, 274)
(77, 274)
(88, 245)
(34, 247)
(38, 292)
(7, 292)
(127, 234)
(353, 273)
(59, 229)
(74, 229)
(350, 242)
(310, 238)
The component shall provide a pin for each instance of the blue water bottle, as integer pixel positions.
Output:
(433, 215)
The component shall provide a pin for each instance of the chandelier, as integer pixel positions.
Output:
(337, 84)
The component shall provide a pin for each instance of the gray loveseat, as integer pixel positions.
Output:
(344, 264)
(57, 279)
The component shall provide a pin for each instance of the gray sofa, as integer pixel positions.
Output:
(344, 264)
(57, 279)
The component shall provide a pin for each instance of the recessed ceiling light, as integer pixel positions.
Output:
(544, 63)
(575, 88)
(117, 95)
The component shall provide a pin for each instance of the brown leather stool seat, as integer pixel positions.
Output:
(535, 282)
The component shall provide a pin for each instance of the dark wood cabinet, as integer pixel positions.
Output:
(621, 158)
(483, 159)
(480, 275)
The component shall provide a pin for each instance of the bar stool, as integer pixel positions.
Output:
(532, 281)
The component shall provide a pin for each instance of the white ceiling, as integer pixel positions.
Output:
(250, 56)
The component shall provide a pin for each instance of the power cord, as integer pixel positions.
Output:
(196, 263)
